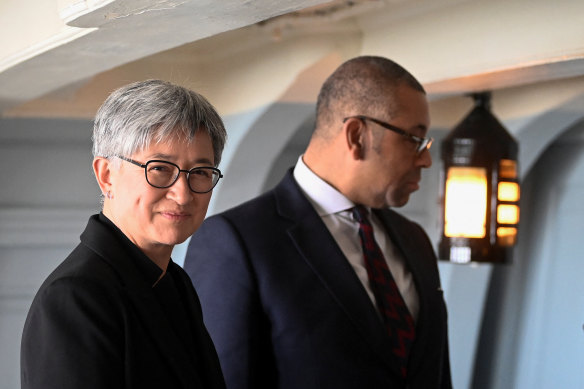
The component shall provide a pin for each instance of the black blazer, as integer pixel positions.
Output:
(285, 308)
(96, 323)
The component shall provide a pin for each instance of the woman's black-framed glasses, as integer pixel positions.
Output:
(423, 143)
(163, 174)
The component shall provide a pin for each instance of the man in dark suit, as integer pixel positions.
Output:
(317, 283)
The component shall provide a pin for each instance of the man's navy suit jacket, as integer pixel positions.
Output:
(285, 308)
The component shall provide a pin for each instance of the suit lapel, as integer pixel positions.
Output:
(142, 299)
(319, 249)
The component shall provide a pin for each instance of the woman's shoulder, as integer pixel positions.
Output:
(82, 272)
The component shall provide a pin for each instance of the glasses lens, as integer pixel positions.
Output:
(161, 174)
(203, 179)
(424, 144)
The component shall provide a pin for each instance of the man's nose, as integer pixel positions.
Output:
(425, 159)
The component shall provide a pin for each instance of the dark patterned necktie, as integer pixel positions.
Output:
(396, 317)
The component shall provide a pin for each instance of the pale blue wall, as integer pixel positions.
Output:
(533, 329)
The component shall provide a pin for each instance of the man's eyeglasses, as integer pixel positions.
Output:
(163, 174)
(423, 143)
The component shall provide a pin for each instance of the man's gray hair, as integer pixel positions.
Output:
(136, 115)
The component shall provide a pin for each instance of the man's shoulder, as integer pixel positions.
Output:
(268, 204)
(263, 203)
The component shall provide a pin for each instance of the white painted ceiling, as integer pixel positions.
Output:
(449, 44)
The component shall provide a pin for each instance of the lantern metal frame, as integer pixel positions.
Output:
(480, 140)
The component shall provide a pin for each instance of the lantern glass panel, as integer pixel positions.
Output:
(508, 191)
(508, 168)
(506, 236)
(507, 214)
(465, 210)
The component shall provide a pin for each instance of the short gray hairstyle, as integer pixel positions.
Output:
(136, 115)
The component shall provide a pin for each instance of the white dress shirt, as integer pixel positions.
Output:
(335, 210)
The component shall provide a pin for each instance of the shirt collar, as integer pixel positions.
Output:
(323, 196)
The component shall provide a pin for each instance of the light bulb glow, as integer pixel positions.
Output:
(465, 208)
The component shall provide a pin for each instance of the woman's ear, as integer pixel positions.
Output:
(355, 130)
(102, 169)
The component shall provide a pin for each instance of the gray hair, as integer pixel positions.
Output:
(136, 115)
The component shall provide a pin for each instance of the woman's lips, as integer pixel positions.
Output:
(175, 215)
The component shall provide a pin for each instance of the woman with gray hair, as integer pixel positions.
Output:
(118, 312)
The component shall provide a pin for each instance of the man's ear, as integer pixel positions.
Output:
(102, 169)
(355, 131)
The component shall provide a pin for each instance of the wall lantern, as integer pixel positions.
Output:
(479, 189)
